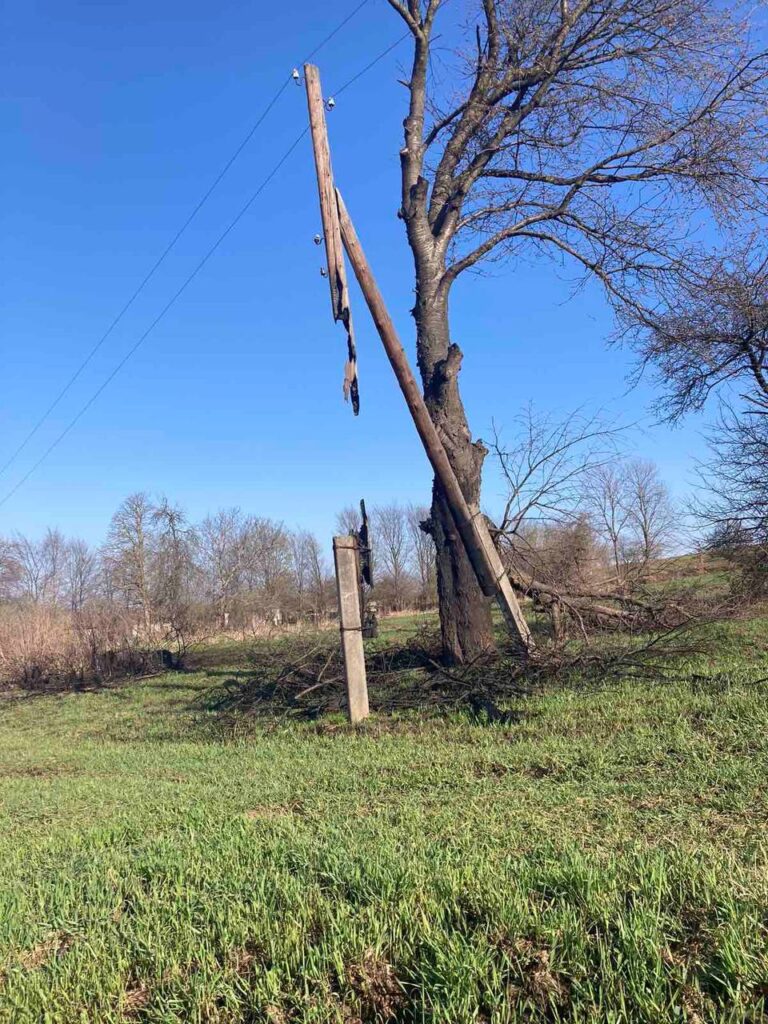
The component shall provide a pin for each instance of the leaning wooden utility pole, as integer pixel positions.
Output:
(347, 564)
(470, 522)
(334, 253)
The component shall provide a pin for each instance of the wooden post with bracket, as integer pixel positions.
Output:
(347, 565)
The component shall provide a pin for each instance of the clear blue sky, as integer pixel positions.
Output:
(116, 117)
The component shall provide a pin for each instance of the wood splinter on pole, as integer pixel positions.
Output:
(337, 274)
(470, 522)
(346, 562)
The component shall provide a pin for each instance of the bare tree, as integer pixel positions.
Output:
(128, 554)
(606, 499)
(422, 553)
(221, 555)
(393, 551)
(736, 479)
(588, 131)
(546, 464)
(650, 512)
(10, 570)
(309, 573)
(30, 569)
(173, 566)
(266, 564)
(348, 520)
(318, 575)
(632, 510)
(734, 498)
(710, 334)
(579, 523)
(81, 574)
(40, 566)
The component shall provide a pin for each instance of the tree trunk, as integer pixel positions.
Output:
(465, 612)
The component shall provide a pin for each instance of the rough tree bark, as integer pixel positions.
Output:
(465, 612)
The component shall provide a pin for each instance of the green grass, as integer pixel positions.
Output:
(602, 860)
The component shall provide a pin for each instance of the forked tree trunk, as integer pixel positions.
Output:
(465, 612)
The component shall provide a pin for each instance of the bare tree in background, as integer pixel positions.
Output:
(30, 568)
(266, 564)
(651, 514)
(632, 509)
(393, 550)
(40, 565)
(348, 520)
(309, 573)
(319, 575)
(128, 554)
(545, 533)
(606, 499)
(173, 571)
(221, 556)
(299, 568)
(422, 553)
(581, 525)
(81, 572)
(589, 131)
(546, 463)
(10, 571)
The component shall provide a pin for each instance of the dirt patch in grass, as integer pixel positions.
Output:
(376, 987)
(536, 771)
(135, 998)
(267, 812)
(36, 771)
(53, 946)
(537, 981)
(693, 1005)
(277, 1015)
(490, 770)
(242, 959)
(694, 943)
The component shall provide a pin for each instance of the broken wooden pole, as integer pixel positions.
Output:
(470, 522)
(346, 562)
(334, 252)
(339, 231)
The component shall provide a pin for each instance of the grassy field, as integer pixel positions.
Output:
(602, 859)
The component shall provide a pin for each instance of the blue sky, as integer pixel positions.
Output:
(116, 118)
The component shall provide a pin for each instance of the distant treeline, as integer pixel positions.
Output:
(230, 570)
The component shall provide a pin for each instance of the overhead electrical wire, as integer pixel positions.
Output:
(172, 243)
(179, 291)
(191, 276)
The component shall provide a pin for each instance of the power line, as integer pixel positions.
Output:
(375, 61)
(161, 259)
(187, 281)
(176, 295)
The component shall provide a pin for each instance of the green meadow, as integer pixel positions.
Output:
(601, 858)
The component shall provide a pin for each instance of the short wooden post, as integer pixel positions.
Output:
(345, 558)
